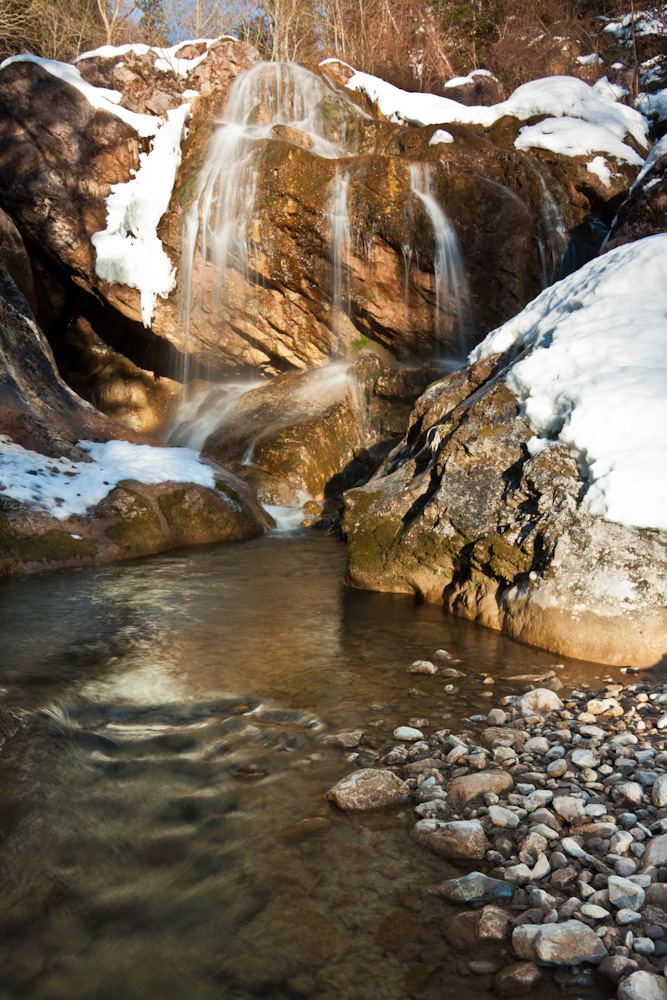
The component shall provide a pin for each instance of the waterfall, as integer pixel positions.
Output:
(339, 219)
(448, 267)
(553, 242)
(219, 223)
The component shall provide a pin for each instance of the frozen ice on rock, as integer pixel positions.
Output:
(580, 325)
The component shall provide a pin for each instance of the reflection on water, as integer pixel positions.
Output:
(165, 830)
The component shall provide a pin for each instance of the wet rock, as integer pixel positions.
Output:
(474, 888)
(470, 786)
(497, 733)
(408, 733)
(368, 789)
(422, 667)
(346, 741)
(517, 979)
(456, 839)
(493, 924)
(567, 943)
(613, 968)
(643, 986)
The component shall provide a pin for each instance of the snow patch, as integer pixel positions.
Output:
(599, 167)
(63, 488)
(129, 251)
(596, 377)
(590, 60)
(440, 136)
(658, 151)
(559, 97)
(575, 137)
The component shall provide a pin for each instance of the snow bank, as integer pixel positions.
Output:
(129, 251)
(168, 60)
(558, 97)
(596, 378)
(63, 488)
(654, 105)
(99, 97)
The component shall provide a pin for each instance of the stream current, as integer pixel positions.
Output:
(165, 831)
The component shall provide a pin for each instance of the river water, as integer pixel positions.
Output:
(165, 831)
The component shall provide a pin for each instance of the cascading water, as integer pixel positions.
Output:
(221, 231)
(448, 266)
(219, 222)
(340, 241)
(553, 242)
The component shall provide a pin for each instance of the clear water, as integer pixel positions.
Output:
(165, 831)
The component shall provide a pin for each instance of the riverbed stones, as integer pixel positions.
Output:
(643, 986)
(368, 789)
(470, 786)
(624, 894)
(493, 924)
(475, 888)
(422, 667)
(503, 817)
(659, 792)
(454, 840)
(408, 733)
(569, 808)
(540, 701)
(567, 943)
(516, 979)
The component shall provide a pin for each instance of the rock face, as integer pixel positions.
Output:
(461, 514)
(644, 212)
(289, 308)
(40, 413)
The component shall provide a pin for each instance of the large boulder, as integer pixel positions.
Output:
(471, 510)
(63, 501)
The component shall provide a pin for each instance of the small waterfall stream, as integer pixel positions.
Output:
(449, 273)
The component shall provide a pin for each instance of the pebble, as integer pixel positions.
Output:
(408, 733)
(503, 817)
(643, 986)
(422, 667)
(567, 801)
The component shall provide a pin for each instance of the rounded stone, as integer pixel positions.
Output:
(516, 979)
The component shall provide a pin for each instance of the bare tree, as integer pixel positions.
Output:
(114, 13)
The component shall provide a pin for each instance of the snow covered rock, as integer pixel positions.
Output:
(644, 212)
(526, 496)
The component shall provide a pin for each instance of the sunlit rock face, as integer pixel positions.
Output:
(333, 229)
(462, 514)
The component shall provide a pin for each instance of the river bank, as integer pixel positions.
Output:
(556, 808)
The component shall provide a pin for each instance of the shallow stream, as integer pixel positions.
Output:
(164, 828)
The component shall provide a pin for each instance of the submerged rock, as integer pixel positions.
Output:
(475, 888)
(516, 979)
